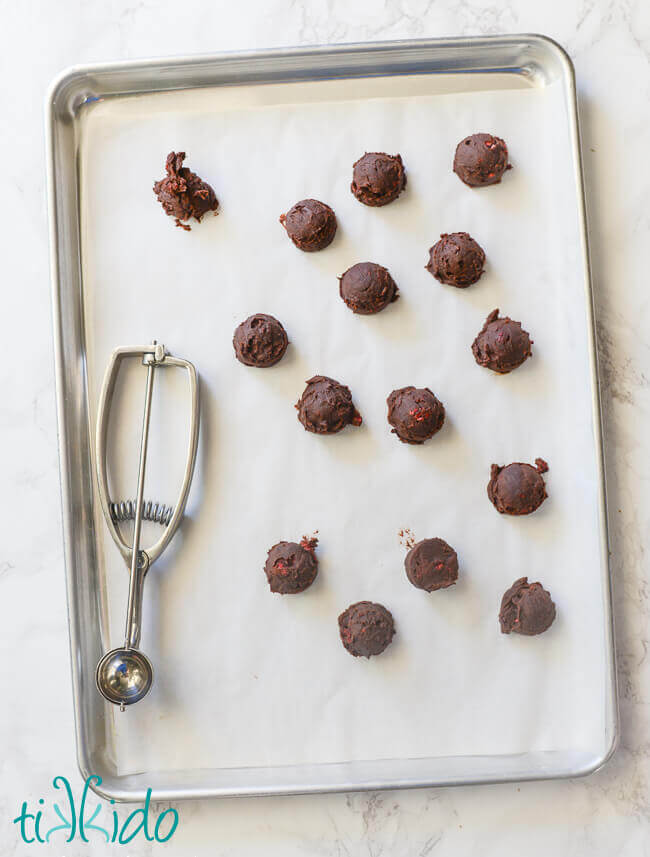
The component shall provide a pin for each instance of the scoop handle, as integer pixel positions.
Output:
(152, 355)
(139, 559)
(133, 631)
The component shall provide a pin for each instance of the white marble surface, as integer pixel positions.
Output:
(607, 814)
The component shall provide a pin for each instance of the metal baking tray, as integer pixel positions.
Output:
(445, 66)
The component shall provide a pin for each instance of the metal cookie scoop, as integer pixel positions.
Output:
(124, 675)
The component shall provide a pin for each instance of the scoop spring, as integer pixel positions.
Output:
(124, 510)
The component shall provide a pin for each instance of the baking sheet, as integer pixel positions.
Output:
(246, 678)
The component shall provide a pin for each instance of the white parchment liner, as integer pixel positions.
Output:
(244, 677)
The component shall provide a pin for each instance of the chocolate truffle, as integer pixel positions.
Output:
(456, 260)
(415, 414)
(260, 341)
(366, 629)
(481, 159)
(326, 406)
(310, 224)
(517, 488)
(291, 567)
(367, 288)
(431, 564)
(182, 193)
(378, 178)
(502, 344)
(526, 608)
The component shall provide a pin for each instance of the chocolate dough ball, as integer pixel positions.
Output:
(291, 567)
(366, 629)
(367, 288)
(378, 178)
(526, 608)
(481, 159)
(310, 224)
(502, 344)
(260, 341)
(415, 414)
(456, 260)
(182, 193)
(326, 406)
(517, 488)
(431, 564)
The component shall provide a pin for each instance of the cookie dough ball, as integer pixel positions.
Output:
(310, 224)
(526, 608)
(456, 260)
(367, 288)
(481, 159)
(431, 564)
(502, 344)
(182, 193)
(378, 178)
(366, 629)
(260, 341)
(517, 488)
(326, 406)
(415, 414)
(291, 567)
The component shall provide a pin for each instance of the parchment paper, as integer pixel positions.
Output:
(244, 677)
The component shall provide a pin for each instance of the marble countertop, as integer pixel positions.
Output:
(605, 814)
